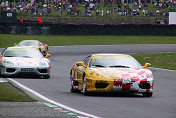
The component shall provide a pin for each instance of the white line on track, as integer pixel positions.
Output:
(51, 101)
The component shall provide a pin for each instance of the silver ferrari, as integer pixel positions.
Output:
(24, 61)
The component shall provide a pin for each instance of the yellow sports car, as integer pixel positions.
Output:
(111, 73)
(43, 48)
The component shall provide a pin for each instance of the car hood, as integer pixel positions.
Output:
(25, 61)
(121, 73)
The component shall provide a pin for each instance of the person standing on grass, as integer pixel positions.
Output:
(40, 21)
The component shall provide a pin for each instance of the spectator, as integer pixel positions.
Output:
(107, 13)
(111, 9)
(102, 12)
(143, 11)
(40, 21)
(97, 12)
(3, 4)
(69, 11)
(88, 12)
(14, 9)
(139, 6)
(64, 4)
(106, 3)
(21, 20)
(91, 6)
(8, 9)
(157, 12)
(48, 10)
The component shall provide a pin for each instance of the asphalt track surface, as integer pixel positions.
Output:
(161, 105)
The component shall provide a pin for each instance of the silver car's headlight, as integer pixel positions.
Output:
(44, 63)
(9, 63)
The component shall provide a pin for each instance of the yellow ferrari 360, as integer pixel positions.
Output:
(111, 73)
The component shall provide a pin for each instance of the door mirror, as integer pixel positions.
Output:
(47, 55)
(146, 65)
(80, 64)
(15, 44)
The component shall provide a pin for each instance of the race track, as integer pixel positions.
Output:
(161, 105)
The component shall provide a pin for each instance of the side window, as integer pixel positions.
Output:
(86, 60)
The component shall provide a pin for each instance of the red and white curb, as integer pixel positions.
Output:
(52, 104)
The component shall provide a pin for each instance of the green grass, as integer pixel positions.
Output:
(9, 93)
(159, 60)
(7, 40)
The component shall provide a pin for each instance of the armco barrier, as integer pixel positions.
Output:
(71, 29)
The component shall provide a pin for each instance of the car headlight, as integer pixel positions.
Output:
(44, 63)
(7, 62)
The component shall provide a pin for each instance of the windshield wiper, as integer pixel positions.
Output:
(98, 65)
(119, 66)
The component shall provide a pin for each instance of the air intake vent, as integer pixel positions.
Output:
(101, 85)
(10, 70)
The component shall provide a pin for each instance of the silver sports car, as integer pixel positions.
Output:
(24, 61)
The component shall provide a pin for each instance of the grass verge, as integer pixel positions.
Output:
(9, 93)
(7, 40)
(158, 60)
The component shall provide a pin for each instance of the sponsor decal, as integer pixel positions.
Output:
(117, 82)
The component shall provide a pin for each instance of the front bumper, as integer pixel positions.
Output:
(140, 86)
(25, 71)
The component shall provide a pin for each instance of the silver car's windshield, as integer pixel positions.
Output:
(23, 52)
(29, 43)
(114, 62)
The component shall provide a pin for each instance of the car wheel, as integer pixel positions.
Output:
(46, 76)
(147, 94)
(85, 86)
(72, 90)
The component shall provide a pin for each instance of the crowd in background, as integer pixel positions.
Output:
(89, 7)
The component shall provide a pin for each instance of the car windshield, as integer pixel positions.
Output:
(114, 62)
(29, 43)
(23, 52)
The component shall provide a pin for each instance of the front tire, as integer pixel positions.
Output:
(46, 76)
(147, 94)
(85, 86)
(72, 90)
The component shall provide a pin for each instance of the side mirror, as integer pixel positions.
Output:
(146, 65)
(15, 44)
(80, 64)
(47, 55)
